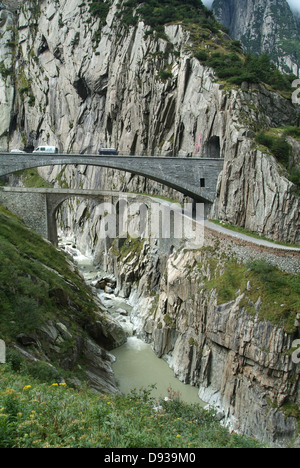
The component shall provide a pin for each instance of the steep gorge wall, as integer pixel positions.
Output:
(241, 363)
(78, 84)
(263, 26)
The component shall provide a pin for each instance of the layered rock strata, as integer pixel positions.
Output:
(78, 84)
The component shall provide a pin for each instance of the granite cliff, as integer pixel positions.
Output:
(223, 344)
(78, 80)
(263, 26)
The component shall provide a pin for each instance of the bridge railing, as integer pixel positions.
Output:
(78, 153)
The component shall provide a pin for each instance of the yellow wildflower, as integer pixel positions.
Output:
(26, 387)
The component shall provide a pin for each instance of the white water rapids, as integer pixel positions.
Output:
(136, 365)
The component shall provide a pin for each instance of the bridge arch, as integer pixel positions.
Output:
(54, 203)
(121, 204)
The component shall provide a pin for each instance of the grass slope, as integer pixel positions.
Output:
(35, 415)
(36, 281)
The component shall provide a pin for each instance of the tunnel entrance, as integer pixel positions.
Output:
(212, 148)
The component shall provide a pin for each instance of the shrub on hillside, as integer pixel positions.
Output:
(277, 145)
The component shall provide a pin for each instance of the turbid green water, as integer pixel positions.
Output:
(137, 366)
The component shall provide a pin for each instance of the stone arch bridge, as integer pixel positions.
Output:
(196, 178)
(37, 207)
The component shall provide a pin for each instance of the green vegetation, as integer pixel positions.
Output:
(277, 145)
(127, 248)
(277, 292)
(157, 13)
(292, 131)
(100, 9)
(39, 371)
(5, 72)
(294, 176)
(24, 86)
(236, 69)
(44, 415)
(280, 148)
(164, 75)
(217, 50)
(33, 276)
(31, 178)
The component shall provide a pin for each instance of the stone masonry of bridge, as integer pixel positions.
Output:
(195, 177)
(37, 207)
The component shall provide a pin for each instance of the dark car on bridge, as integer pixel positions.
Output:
(108, 152)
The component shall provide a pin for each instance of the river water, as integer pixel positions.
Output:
(136, 365)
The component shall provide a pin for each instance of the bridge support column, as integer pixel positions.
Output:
(52, 202)
(52, 227)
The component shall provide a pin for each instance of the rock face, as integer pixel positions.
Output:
(263, 26)
(54, 342)
(241, 364)
(7, 22)
(257, 204)
(79, 84)
(80, 347)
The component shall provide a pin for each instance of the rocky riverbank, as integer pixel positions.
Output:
(210, 327)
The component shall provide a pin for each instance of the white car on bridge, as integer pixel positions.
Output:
(17, 151)
(46, 149)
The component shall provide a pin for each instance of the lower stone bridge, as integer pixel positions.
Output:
(194, 177)
(37, 207)
(154, 217)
